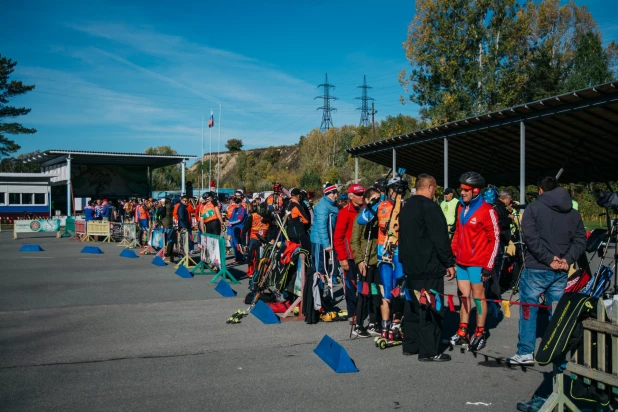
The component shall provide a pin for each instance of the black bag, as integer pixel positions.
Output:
(565, 329)
(595, 239)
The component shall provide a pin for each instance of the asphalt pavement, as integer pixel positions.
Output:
(85, 332)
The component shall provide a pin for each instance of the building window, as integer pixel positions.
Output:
(2, 198)
(39, 198)
(27, 198)
(14, 198)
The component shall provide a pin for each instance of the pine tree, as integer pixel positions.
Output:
(8, 90)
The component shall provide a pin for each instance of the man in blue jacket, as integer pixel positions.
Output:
(236, 221)
(325, 216)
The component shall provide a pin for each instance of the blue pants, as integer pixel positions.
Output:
(234, 233)
(390, 272)
(533, 283)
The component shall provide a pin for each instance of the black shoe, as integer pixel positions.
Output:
(443, 357)
(409, 353)
(360, 332)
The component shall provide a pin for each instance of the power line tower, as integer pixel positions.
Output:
(364, 121)
(327, 121)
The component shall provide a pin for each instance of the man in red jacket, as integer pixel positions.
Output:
(341, 243)
(475, 245)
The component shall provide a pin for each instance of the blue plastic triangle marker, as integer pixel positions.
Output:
(264, 313)
(183, 272)
(31, 248)
(128, 253)
(92, 249)
(157, 261)
(225, 290)
(335, 355)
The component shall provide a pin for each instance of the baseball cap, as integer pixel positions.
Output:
(448, 191)
(295, 192)
(356, 189)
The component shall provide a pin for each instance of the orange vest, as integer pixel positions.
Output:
(257, 227)
(175, 213)
(384, 215)
(208, 213)
(143, 213)
(230, 209)
(270, 201)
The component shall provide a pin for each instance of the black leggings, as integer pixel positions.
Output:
(213, 227)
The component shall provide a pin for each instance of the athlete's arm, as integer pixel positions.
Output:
(438, 233)
(492, 234)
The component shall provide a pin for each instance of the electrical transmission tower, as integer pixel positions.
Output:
(364, 120)
(327, 121)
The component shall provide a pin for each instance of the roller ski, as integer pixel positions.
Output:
(236, 317)
(389, 338)
(461, 339)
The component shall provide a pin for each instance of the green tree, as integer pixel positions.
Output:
(168, 177)
(310, 180)
(8, 90)
(591, 63)
(234, 145)
(18, 164)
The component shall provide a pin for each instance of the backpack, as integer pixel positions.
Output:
(565, 329)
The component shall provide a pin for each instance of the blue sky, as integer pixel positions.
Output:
(124, 77)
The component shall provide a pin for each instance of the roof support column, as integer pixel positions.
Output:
(149, 182)
(69, 186)
(356, 170)
(394, 162)
(522, 163)
(445, 163)
(182, 178)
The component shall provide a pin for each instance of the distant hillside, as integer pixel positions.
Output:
(251, 169)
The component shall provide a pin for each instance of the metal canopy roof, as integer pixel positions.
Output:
(52, 157)
(576, 130)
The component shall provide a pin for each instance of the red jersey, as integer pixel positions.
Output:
(343, 232)
(477, 236)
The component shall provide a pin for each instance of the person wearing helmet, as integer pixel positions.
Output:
(255, 229)
(236, 216)
(380, 184)
(274, 203)
(475, 246)
(391, 270)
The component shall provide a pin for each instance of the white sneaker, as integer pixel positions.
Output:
(521, 360)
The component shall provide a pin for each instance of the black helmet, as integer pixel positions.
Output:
(472, 179)
(398, 184)
(380, 184)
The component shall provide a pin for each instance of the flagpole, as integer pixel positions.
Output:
(219, 151)
(210, 167)
(202, 186)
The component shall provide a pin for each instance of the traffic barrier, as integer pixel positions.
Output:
(98, 228)
(598, 369)
(69, 227)
(213, 260)
(92, 249)
(129, 235)
(31, 248)
(184, 240)
(335, 355)
(80, 230)
(158, 261)
(35, 226)
(128, 253)
(183, 272)
(225, 290)
(264, 313)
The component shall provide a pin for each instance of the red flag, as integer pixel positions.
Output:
(211, 121)
(451, 305)
(526, 311)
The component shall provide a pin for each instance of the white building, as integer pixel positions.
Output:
(23, 194)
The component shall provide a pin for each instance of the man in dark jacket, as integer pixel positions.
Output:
(555, 237)
(184, 222)
(426, 256)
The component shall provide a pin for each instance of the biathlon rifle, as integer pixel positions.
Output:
(392, 234)
(239, 314)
